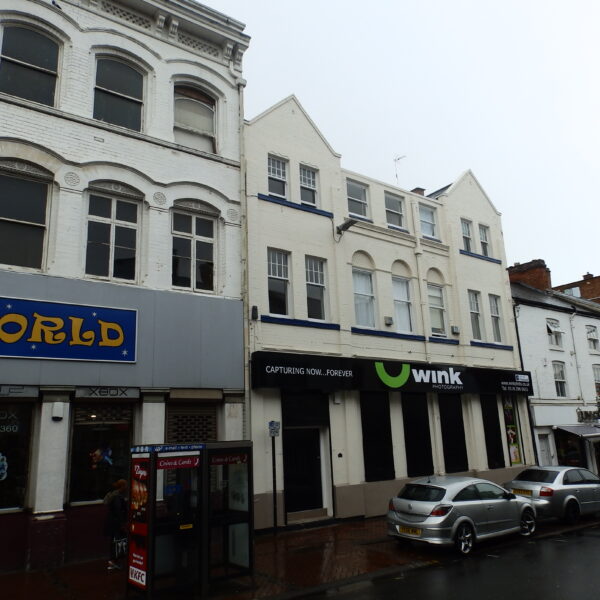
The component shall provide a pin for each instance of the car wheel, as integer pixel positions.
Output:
(571, 515)
(464, 538)
(527, 523)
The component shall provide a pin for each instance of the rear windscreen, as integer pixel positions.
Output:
(537, 475)
(424, 493)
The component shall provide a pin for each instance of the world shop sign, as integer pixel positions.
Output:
(60, 331)
(310, 372)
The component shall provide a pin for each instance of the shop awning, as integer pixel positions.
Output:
(584, 430)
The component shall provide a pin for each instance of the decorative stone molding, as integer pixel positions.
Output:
(116, 188)
(198, 206)
(233, 216)
(72, 178)
(160, 198)
(160, 20)
(173, 26)
(18, 166)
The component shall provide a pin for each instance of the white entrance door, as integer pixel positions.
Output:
(545, 452)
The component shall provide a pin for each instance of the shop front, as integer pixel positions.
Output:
(353, 429)
(87, 370)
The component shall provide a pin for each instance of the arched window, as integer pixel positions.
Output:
(28, 64)
(119, 94)
(194, 119)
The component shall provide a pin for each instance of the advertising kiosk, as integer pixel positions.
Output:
(190, 517)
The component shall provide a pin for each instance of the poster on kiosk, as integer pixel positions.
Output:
(138, 523)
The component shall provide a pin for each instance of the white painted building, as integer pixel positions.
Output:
(381, 337)
(121, 318)
(560, 343)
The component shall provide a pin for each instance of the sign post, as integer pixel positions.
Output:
(273, 433)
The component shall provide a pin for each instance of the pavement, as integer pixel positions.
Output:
(288, 564)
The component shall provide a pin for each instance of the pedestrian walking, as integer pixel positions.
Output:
(115, 526)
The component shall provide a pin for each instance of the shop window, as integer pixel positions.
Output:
(23, 217)
(453, 433)
(119, 93)
(492, 432)
(378, 451)
(513, 437)
(15, 437)
(417, 438)
(194, 122)
(28, 65)
(100, 449)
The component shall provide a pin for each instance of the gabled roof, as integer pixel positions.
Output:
(289, 100)
(448, 189)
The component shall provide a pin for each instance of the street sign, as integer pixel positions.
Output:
(274, 428)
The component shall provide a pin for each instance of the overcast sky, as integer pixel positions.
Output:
(509, 89)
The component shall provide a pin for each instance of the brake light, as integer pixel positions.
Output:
(546, 491)
(440, 510)
(391, 505)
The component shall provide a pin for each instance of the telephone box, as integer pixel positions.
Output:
(190, 517)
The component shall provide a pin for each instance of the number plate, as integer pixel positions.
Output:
(409, 530)
(522, 492)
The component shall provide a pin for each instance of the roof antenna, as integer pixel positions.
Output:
(396, 160)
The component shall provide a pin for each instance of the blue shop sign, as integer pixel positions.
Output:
(56, 330)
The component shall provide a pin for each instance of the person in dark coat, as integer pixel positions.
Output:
(115, 525)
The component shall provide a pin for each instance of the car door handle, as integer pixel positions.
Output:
(489, 507)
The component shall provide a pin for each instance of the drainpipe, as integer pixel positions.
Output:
(571, 319)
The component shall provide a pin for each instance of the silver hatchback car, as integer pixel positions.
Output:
(563, 492)
(456, 510)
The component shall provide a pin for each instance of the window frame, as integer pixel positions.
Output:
(560, 378)
(284, 276)
(196, 93)
(475, 312)
(441, 308)
(592, 337)
(305, 185)
(467, 235)
(496, 317)
(402, 304)
(555, 333)
(193, 238)
(432, 223)
(113, 222)
(275, 176)
(321, 274)
(484, 240)
(363, 201)
(391, 212)
(369, 297)
(596, 373)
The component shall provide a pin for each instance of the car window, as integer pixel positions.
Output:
(589, 476)
(537, 475)
(424, 493)
(488, 491)
(572, 477)
(468, 493)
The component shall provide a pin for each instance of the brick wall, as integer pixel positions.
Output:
(534, 273)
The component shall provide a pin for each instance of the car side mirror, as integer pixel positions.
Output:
(509, 496)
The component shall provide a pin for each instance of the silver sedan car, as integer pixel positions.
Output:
(452, 510)
(563, 492)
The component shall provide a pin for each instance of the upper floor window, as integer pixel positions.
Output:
(467, 235)
(315, 287)
(573, 291)
(592, 336)
(496, 318)
(427, 217)
(475, 310)
(194, 119)
(394, 210)
(484, 240)
(437, 311)
(357, 198)
(193, 252)
(560, 381)
(112, 237)
(402, 304)
(364, 298)
(596, 369)
(277, 169)
(278, 281)
(28, 65)
(119, 92)
(308, 186)
(23, 217)
(554, 332)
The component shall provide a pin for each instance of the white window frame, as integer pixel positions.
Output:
(277, 169)
(439, 308)
(592, 337)
(396, 212)
(596, 371)
(315, 270)
(364, 298)
(402, 303)
(560, 378)
(555, 333)
(428, 221)
(308, 182)
(278, 270)
(363, 200)
(484, 240)
(475, 312)
(467, 234)
(189, 92)
(496, 317)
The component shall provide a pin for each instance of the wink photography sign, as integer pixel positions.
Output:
(60, 331)
(297, 371)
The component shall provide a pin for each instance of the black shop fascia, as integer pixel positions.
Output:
(329, 374)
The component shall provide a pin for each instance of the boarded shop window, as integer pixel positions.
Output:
(188, 424)
(493, 434)
(417, 437)
(453, 433)
(15, 434)
(101, 440)
(378, 450)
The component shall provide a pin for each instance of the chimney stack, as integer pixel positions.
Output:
(534, 273)
(418, 190)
